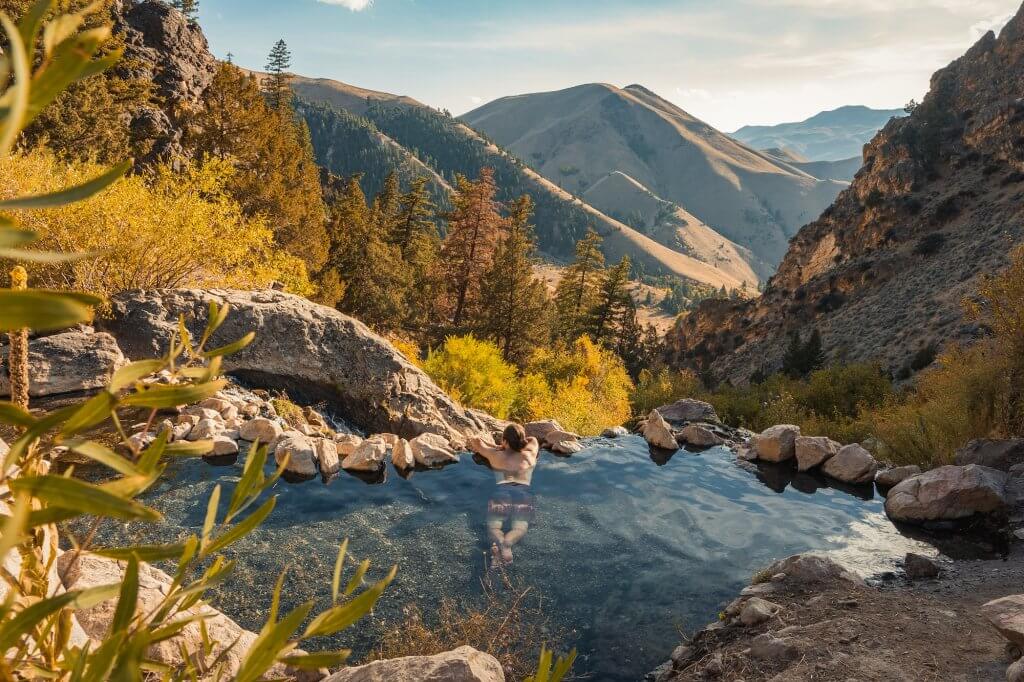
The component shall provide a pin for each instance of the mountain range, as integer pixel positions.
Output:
(835, 135)
(882, 274)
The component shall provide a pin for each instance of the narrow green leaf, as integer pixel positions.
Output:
(189, 448)
(231, 347)
(14, 526)
(337, 618)
(185, 336)
(151, 455)
(128, 602)
(147, 553)
(132, 372)
(214, 319)
(40, 310)
(44, 517)
(320, 659)
(161, 396)
(275, 596)
(251, 475)
(29, 23)
(105, 456)
(13, 629)
(14, 415)
(211, 515)
(18, 93)
(357, 578)
(271, 643)
(82, 497)
(563, 666)
(339, 562)
(69, 195)
(240, 530)
(90, 413)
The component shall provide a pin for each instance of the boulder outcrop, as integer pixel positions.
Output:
(776, 443)
(464, 664)
(307, 348)
(813, 451)
(996, 454)
(852, 464)
(67, 362)
(948, 493)
(658, 433)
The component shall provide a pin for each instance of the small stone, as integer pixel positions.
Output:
(368, 456)
(658, 433)
(567, 447)
(554, 438)
(327, 456)
(1015, 673)
(389, 439)
(614, 432)
(888, 478)
(314, 418)
(230, 412)
(216, 404)
(776, 443)
(206, 428)
(190, 419)
(260, 429)
(757, 611)
(203, 412)
(222, 445)
(430, 449)
(917, 566)
(700, 436)
(682, 653)
(299, 450)
(347, 443)
(140, 441)
(813, 451)
(1007, 616)
(180, 432)
(1019, 533)
(401, 455)
(768, 648)
(308, 430)
(779, 577)
(250, 410)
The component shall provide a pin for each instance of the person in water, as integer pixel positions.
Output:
(513, 463)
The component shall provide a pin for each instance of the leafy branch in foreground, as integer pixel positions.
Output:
(37, 616)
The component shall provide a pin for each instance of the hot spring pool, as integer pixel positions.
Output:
(624, 550)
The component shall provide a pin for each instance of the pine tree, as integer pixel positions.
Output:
(415, 217)
(386, 206)
(515, 304)
(190, 8)
(802, 358)
(613, 301)
(474, 225)
(276, 84)
(630, 342)
(277, 175)
(576, 294)
(371, 270)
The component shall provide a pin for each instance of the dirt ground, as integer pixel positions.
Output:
(896, 630)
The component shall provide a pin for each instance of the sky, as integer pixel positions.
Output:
(728, 62)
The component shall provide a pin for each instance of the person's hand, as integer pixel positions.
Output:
(474, 443)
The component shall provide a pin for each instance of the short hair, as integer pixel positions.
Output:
(515, 436)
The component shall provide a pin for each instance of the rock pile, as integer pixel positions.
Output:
(236, 418)
(687, 422)
(846, 463)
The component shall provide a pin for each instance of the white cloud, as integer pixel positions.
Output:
(694, 93)
(354, 5)
(476, 100)
(995, 24)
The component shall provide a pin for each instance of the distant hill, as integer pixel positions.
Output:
(829, 136)
(843, 170)
(449, 147)
(882, 274)
(576, 137)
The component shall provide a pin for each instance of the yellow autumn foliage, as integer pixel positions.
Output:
(164, 230)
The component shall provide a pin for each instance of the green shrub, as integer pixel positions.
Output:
(474, 373)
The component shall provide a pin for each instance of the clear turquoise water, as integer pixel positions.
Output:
(625, 552)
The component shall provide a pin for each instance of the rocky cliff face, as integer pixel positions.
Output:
(881, 274)
(167, 49)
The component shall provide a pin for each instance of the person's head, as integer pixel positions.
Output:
(514, 437)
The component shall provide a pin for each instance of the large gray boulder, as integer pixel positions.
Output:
(1007, 616)
(888, 478)
(464, 664)
(66, 363)
(948, 493)
(809, 569)
(812, 451)
(997, 454)
(305, 347)
(658, 433)
(776, 443)
(688, 410)
(852, 464)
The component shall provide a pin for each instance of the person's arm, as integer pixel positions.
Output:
(495, 456)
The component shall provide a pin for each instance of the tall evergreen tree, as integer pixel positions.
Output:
(277, 175)
(577, 291)
(613, 301)
(371, 270)
(515, 304)
(276, 84)
(415, 217)
(474, 225)
(190, 8)
(630, 342)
